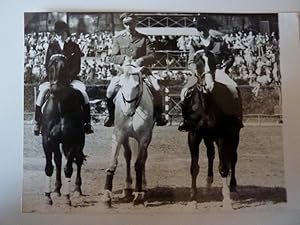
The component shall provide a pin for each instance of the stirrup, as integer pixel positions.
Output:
(109, 122)
(36, 129)
(161, 121)
(88, 129)
(183, 127)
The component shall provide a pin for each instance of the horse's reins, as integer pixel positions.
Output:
(138, 97)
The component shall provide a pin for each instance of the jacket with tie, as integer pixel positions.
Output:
(133, 45)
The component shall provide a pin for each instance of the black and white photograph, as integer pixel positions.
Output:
(140, 112)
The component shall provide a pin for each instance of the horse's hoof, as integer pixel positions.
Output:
(107, 199)
(77, 193)
(193, 196)
(138, 202)
(139, 198)
(66, 200)
(56, 194)
(227, 207)
(107, 204)
(127, 195)
(48, 201)
(227, 204)
(192, 204)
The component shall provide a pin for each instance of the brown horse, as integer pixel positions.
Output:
(206, 119)
(62, 124)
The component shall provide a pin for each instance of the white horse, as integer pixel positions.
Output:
(133, 118)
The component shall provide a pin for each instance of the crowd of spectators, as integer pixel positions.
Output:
(256, 57)
(96, 46)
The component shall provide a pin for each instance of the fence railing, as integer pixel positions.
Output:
(266, 108)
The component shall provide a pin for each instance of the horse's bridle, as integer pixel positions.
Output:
(202, 75)
(53, 56)
(137, 99)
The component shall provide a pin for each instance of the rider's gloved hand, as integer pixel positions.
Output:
(140, 61)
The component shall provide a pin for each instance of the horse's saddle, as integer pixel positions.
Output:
(226, 101)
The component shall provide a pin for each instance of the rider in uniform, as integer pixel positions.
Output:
(131, 43)
(209, 40)
(62, 44)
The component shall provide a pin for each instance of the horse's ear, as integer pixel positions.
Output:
(119, 68)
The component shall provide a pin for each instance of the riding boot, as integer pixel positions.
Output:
(109, 121)
(88, 129)
(240, 110)
(158, 109)
(183, 124)
(37, 119)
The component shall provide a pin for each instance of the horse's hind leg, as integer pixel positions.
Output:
(140, 164)
(57, 160)
(194, 140)
(68, 170)
(79, 157)
(234, 157)
(127, 192)
(210, 151)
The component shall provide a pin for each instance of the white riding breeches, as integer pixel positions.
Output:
(43, 88)
(220, 76)
(79, 85)
(76, 84)
(117, 80)
(112, 87)
(223, 78)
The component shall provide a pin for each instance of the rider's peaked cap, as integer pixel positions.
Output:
(125, 15)
(60, 27)
(202, 22)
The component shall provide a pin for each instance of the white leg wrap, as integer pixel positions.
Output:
(48, 184)
(66, 186)
(226, 193)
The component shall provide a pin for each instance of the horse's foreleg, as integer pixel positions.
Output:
(79, 161)
(58, 161)
(127, 192)
(140, 165)
(48, 170)
(107, 195)
(224, 162)
(194, 140)
(210, 151)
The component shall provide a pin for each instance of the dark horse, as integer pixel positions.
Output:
(62, 123)
(206, 118)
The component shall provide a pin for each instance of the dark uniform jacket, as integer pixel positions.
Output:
(72, 51)
(218, 47)
(135, 46)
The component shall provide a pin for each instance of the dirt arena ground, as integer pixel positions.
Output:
(260, 174)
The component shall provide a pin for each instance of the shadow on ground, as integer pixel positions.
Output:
(246, 195)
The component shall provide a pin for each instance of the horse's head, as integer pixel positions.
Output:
(131, 87)
(57, 71)
(205, 62)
